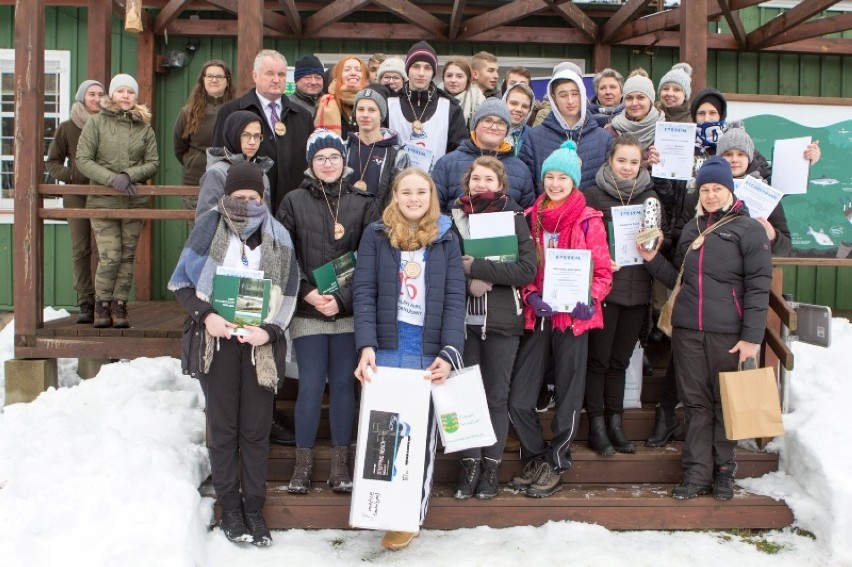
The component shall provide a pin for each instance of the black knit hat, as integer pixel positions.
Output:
(715, 170)
(234, 125)
(422, 51)
(712, 96)
(244, 175)
(308, 65)
(320, 139)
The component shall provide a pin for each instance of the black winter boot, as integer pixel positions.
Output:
(666, 428)
(260, 535)
(489, 483)
(616, 435)
(598, 440)
(86, 316)
(339, 478)
(300, 482)
(723, 485)
(234, 527)
(468, 479)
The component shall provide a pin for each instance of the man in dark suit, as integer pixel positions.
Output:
(286, 126)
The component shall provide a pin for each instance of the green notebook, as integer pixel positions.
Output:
(495, 248)
(336, 274)
(242, 299)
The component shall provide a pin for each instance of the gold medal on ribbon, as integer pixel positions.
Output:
(360, 185)
(339, 231)
(417, 126)
(411, 269)
(280, 129)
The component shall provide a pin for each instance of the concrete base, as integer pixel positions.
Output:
(26, 379)
(89, 367)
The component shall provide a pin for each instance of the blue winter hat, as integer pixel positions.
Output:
(715, 170)
(566, 160)
(322, 138)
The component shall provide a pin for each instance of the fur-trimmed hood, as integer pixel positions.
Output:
(139, 113)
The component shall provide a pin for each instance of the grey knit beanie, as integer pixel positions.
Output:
(84, 86)
(735, 138)
(639, 84)
(491, 107)
(376, 97)
(123, 80)
(681, 75)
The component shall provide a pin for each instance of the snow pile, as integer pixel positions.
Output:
(106, 473)
(815, 461)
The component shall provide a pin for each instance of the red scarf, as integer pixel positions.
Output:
(556, 220)
(487, 202)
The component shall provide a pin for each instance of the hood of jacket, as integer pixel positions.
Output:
(216, 155)
(389, 138)
(139, 113)
(469, 147)
(444, 225)
(571, 76)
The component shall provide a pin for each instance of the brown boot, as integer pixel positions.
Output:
(339, 479)
(119, 314)
(398, 540)
(103, 317)
(300, 482)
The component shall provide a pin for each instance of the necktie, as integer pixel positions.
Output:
(273, 112)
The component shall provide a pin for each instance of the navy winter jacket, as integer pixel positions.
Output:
(593, 143)
(450, 169)
(376, 291)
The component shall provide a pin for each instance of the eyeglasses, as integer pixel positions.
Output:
(391, 78)
(215, 77)
(247, 136)
(333, 159)
(489, 122)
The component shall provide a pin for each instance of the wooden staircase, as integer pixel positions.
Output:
(622, 492)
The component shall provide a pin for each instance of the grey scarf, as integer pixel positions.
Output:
(644, 129)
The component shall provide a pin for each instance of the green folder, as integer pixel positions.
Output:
(496, 248)
(241, 300)
(336, 274)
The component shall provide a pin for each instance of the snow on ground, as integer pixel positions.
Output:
(105, 472)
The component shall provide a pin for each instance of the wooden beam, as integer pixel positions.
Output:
(601, 56)
(330, 14)
(293, 16)
(249, 41)
(774, 341)
(521, 34)
(670, 19)
(726, 42)
(456, 17)
(412, 14)
(787, 20)
(99, 21)
(273, 21)
(815, 28)
(576, 17)
(501, 16)
(169, 14)
(145, 214)
(734, 22)
(693, 42)
(28, 166)
(622, 17)
(146, 63)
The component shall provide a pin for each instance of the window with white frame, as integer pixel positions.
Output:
(57, 104)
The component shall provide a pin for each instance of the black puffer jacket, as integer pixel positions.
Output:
(305, 213)
(726, 281)
(504, 308)
(631, 285)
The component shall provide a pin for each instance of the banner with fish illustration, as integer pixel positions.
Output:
(820, 218)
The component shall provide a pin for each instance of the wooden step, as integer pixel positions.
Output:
(625, 507)
(638, 423)
(647, 465)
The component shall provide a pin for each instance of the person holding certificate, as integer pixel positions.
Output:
(622, 192)
(559, 221)
(238, 371)
(718, 320)
(326, 216)
(409, 298)
(494, 318)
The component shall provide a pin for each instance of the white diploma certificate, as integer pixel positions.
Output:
(789, 167)
(567, 278)
(676, 143)
(760, 198)
(626, 222)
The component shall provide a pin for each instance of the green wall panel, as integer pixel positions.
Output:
(58, 291)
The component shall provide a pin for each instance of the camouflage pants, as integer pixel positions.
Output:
(79, 231)
(116, 240)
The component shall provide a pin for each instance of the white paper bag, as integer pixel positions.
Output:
(462, 411)
(633, 379)
(390, 458)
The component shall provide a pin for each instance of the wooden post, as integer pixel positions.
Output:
(100, 41)
(249, 42)
(146, 59)
(601, 57)
(693, 40)
(28, 236)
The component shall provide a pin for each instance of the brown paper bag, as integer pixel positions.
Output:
(750, 404)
